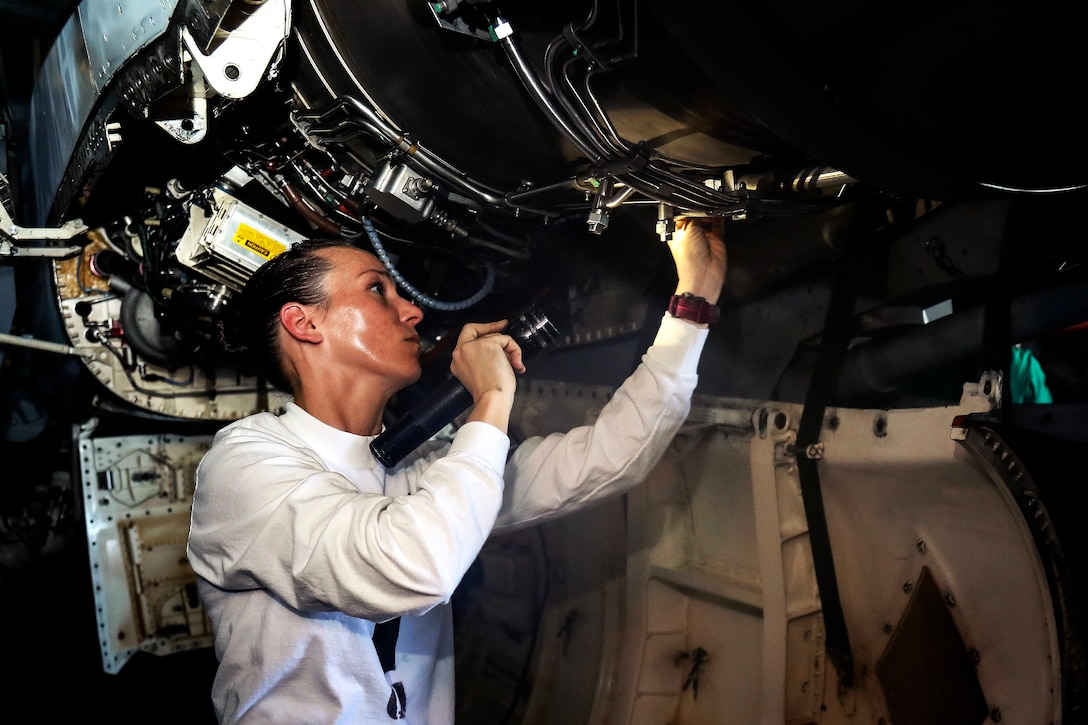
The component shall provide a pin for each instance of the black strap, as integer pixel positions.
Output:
(822, 386)
(385, 642)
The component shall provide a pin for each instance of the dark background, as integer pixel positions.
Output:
(54, 668)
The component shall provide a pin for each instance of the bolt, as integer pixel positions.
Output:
(597, 221)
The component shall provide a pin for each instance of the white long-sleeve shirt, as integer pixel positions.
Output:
(301, 541)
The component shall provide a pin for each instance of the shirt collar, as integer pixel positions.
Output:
(335, 446)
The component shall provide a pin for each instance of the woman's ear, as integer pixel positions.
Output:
(295, 318)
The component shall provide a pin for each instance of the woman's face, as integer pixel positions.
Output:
(370, 327)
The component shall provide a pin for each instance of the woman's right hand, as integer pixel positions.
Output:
(485, 361)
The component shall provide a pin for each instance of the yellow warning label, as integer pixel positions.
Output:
(257, 242)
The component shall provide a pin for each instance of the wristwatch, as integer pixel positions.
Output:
(689, 307)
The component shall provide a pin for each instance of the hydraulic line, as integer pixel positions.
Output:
(360, 115)
(420, 297)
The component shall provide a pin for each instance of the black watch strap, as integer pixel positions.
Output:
(689, 307)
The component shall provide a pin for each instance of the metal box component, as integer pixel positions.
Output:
(231, 240)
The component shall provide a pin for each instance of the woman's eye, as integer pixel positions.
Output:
(378, 287)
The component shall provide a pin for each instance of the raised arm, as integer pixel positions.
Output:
(552, 475)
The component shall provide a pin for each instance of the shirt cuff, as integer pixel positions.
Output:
(678, 345)
(482, 440)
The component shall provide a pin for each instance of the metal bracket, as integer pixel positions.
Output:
(463, 16)
(11, 233)
(237, 66)
(192, 128)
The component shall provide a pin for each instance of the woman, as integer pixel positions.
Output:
(307, 549)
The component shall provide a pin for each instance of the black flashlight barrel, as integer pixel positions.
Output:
(533, 332)
(418, 425)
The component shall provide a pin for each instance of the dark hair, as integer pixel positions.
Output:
(295, 275)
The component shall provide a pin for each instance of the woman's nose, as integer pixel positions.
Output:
(410, 312)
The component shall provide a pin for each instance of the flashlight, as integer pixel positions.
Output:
(533, 332)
